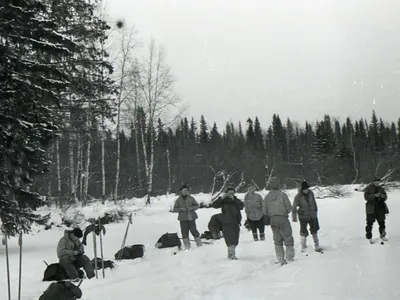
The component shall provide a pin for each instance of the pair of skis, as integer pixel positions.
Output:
(5, 241)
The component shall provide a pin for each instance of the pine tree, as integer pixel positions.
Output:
(204, 136)
(29, 92)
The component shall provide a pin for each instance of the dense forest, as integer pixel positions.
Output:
(203, 156)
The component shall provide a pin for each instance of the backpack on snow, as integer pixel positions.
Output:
(207, 235)
(169, 240)
(107, 264)
(63, 290)
(130, 252)
(55, 272)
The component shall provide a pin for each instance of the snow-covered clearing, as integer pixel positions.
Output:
(350, 268)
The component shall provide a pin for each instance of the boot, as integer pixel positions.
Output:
(262, 236)
(186, 242)
(199, 243)
(231, 253)
(303, 242)
(255, 236)
(383, 235)
(316, 242)
(290, 253)
(280, 254)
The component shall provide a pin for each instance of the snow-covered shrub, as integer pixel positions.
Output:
(333, 191)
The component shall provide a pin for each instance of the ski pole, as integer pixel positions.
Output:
(95, 253)
(124, 240)
(101, 250)
(8, 267)
(20, 265)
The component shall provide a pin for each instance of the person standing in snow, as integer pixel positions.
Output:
(306, 209)
(230, 206)
(276, 207)
(70, 252)
(215, 226)
(254, 212)
(186, 206)
(375, 208)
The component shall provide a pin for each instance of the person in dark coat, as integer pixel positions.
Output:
(186, 206)
(63, 290)
(215, 226)
(230, 206)
(305, 209)
(375, 208)
(70, 252)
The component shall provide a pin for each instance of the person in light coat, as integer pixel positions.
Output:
(186, 207)
(276, 207)
(305, 209)
(254, 212)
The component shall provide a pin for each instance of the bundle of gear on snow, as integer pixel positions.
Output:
(63, 290)
(130, 252)
(169, 240)
(107, 264)
(55, 272)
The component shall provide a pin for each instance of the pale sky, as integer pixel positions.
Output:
(299, 59)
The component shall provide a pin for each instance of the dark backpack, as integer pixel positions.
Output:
(55, 272)
(169, 240)
(207, 235)
(130, 252)
(64, 290)
(107, 264)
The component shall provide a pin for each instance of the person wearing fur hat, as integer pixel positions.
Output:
(375, 208)
(305, 209)
(231, 218)
(71, 255)
(186, 207)
(276, 207)
(255, 215)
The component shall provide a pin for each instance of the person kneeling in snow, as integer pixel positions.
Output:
(70, 252)
(276, 207)
(231, 207)
(215, 226)
(305, 207)
(186, 205)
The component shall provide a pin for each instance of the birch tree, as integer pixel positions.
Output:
(156, 82)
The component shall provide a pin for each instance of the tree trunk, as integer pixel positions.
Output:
(118, 153)
(72, 185)
(58, 167)
(78, 173)
(50, 173)
(87, 165)
(354, 156)
(151, 165)
(103, 168)
(169, 187)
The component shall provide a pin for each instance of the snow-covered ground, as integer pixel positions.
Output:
(350, 268)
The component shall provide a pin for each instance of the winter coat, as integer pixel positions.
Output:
(186, 208)
(253, 206)
(276, 203)
(230, 209)
(216, 222)
(374, 205)
(305, 206)
(67, 245)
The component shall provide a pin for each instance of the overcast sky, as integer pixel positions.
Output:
(299, 59)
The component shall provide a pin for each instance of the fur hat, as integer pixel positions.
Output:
(184, 186)
(77, 232)
(376, 179)
(304, 185)
(275, 183)
(230, 188)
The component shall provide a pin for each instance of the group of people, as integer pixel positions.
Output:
(273, 211)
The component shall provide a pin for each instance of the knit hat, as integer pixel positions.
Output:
(376, 179)
(184, 186)
(304, 185)
(77, 232)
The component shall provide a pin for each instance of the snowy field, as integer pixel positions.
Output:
(350, 268)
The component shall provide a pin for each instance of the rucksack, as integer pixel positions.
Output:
(207, 235)
(55, 272)
(63, 290)
(107, 264)
(169, 240)
(130, 252)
